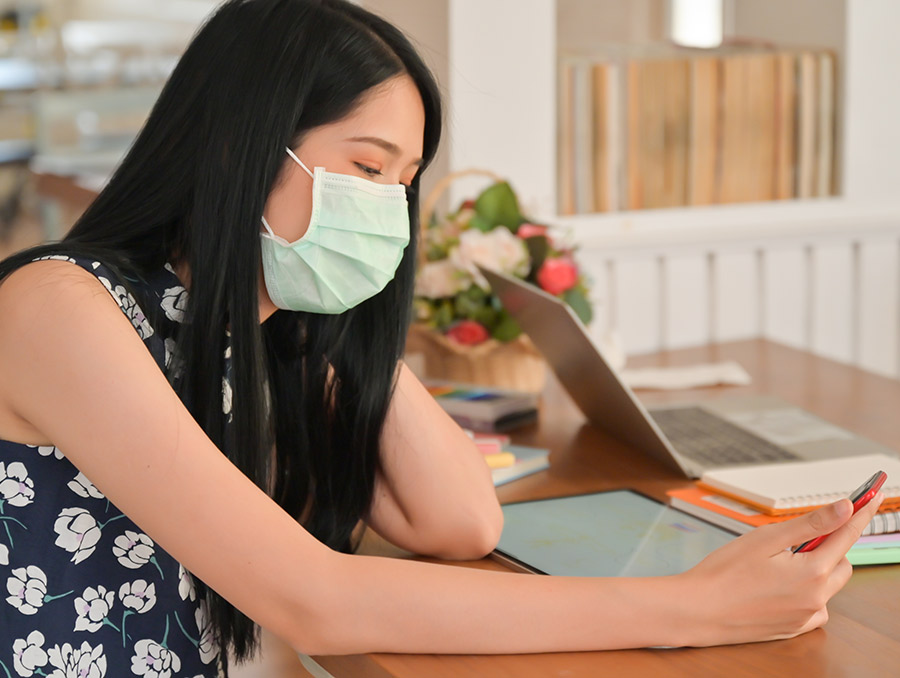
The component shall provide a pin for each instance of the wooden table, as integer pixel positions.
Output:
(862, 637)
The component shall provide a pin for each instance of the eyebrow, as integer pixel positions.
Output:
(391, 148)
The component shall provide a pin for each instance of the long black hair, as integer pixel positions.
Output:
(311, 391)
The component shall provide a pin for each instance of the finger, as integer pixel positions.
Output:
(822, 521)
(838, 578)
(837, 545)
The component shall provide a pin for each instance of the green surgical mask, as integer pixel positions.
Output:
(350, 252)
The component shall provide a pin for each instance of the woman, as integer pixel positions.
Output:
(201, 398)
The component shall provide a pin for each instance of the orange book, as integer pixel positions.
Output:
(676, 130)
(602, 157)
(704, 131)
(785, 125)
(566, 139)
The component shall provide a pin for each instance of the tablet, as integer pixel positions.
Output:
(620, 533)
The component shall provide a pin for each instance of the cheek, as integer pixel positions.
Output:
(288, 209)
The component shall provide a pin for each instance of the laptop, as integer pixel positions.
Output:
(690, 439)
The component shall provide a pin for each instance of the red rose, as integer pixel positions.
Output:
(468, 333)
(467, 205)
(557, 275)
(531, 230)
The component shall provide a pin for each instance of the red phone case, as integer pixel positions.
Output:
(860, 497)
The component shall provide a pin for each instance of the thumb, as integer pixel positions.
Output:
(824, 520)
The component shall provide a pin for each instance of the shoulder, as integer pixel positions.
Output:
(54, 308)
(29, 293)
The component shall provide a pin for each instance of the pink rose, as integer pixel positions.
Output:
(557, 275)
(531, 230)
(468, 333)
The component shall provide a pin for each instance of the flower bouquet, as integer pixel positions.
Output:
(472, 338)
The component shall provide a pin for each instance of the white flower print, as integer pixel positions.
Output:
(170, 347)
(208, 649)
(186, 588)
(130, 307)
(83, 487)
(27, 589)
(4, 554)
(58, 257)
(93, 607)
(15, 485)
(47, 450)
(28, 654)
(85, 662)
(133, 549)
(78, 532)
(226, 396)
(153, 660)
(138, 595)
(174, 303)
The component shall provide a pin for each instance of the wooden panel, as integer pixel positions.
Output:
(833, 316)
(879, 306)
(735, 296)
(685, 298)
(636, 299)
(784, 295)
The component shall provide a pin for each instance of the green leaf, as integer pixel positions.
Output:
(479, 223)
(579, 304)
(469, 302)
(498, 206)
(538, 249)
(506, 329)
(443, 314)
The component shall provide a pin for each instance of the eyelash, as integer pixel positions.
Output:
(372, 172)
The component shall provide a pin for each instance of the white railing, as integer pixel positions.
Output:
(820, 277)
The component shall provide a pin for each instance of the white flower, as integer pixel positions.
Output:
(92, 608)
(78, 532)
(153, 660)
(174, 303)
(85, 662)
(58, 257)
(4, 554)
(170, 350)
(83, 487)
(497, 249)
(437, 279)
(47, 450)
(28, 654)
(186, 588)
(27, 587)
(133, 549)
(138, 595)
(15, 485)
(130, 307)
(208, 649)
(226, 396)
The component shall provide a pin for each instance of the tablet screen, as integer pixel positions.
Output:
(606, 534)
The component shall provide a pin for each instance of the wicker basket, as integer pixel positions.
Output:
(514, 365)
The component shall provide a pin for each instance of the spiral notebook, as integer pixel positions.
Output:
(793, 487)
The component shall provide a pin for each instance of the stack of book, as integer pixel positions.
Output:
(509, 462)
(743, 498)
(661, 126)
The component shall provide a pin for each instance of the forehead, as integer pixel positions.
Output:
(392, 111)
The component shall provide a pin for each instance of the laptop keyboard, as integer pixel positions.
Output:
(710, 440)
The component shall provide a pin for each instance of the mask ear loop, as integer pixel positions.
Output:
(298, 161)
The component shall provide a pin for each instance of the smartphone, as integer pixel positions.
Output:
(861, 496)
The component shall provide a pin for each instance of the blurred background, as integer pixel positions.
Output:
(727, 168)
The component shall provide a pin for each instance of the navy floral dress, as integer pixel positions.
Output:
(88, 594)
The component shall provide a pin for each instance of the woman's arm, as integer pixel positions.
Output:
(435, 495)
(73, 368)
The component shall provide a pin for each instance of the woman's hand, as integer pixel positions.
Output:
(756, 589)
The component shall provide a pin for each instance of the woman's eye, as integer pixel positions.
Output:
(371, 171)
